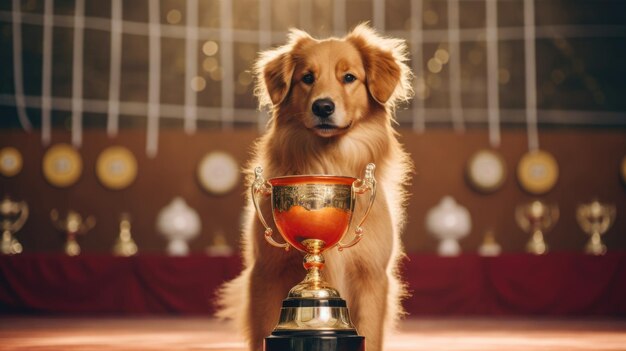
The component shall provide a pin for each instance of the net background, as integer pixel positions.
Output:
(581, 47)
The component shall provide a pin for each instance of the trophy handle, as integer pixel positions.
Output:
(361, 186)
(261, 187)
(17, 225)
(54, 216)
(88, 225)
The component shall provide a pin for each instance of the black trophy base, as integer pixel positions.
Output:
(314, 341)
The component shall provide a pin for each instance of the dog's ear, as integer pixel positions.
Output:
(274, 69)
(387, 75)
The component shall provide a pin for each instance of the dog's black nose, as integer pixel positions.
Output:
(323, 107)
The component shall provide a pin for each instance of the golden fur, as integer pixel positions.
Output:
(365, 275)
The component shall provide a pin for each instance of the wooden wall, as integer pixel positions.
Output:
(589, 162)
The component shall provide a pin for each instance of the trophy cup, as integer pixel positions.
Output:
(448, 222)
(72, 225)
(595, 219)
(312, 214)
(489, 247)
(536, 217)
(125, 245)
(179, 223)
(14, 215)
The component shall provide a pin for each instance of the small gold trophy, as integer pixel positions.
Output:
(312, 214)
(72, 225)
(489, 246)
(536, 217)
(125, 246)
(595, 219)
(14, 215)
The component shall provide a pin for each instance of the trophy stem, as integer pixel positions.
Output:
(314, 274)
(537, 245)
(10, 245)
(71, 246)
(595, 246)
(314, 262)
(313, 285)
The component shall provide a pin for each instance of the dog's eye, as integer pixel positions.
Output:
(349, 78)
(308, 78)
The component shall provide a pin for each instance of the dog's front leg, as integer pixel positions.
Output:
(367, 301)
(269, 284)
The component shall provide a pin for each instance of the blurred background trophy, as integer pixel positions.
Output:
(72, 225)
(125, 245)
(179, 223)
(536, 218)
(595, 218)
(219, 246)
(489, 246)
(448, 221)
(312, 214)
(13, 215)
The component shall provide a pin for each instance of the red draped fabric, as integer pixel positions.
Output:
(511, 284)
(517, 284)
(99, 284)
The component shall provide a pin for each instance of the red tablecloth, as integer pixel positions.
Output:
(511, 284)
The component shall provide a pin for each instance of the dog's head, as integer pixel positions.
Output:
(329, 86)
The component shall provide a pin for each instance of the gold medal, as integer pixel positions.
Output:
(116, 167)
(537, 172)
(10, 161)
(62, 165)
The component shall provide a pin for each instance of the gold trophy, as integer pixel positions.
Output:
(125, 246)
(536, 217)
(14, 215)
(595, 219)
(312, 214)
(73, 225)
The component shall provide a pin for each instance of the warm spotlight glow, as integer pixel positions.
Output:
(198, 84)
(174, 16)
(433, 81)
(422, 91)
(216, 74)
(442, 55)
(244, 78)
(434, 65)
(210, 48)
(210, 64)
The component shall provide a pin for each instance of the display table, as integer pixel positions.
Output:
(511, 284)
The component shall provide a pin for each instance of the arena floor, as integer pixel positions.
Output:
(43, 334)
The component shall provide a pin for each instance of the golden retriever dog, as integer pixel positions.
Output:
(332, 103)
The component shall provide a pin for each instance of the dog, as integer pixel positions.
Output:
(332, 105)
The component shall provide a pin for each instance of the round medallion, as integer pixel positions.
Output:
(62, 165)
(10, 161)
(537, 172)
(116, 167)
(486, 170)
(218, 172)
